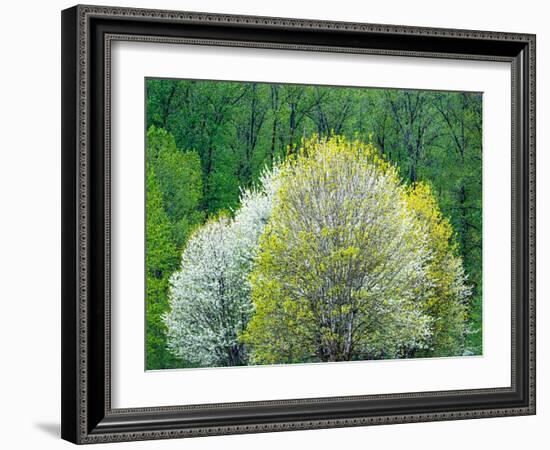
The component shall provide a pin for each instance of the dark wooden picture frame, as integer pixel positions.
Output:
(87, 34)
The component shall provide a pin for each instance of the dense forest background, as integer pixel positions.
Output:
(207, 140)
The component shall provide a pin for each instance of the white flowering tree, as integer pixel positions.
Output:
(210, 303)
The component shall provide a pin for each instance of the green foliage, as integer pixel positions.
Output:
(223, 134)
(161, 258)
(179, 177)
(173, 190)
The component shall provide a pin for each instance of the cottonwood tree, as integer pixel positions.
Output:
(210, 303)
(342, 269)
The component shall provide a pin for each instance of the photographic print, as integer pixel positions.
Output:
(335, 201)
(292, 223)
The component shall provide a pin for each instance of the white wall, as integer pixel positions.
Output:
(30, 222)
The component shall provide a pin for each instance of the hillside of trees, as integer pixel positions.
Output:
(209, 143)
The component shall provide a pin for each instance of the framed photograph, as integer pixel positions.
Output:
(280, 224)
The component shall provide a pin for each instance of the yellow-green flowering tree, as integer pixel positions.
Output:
(446, 301)
(352, 263)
